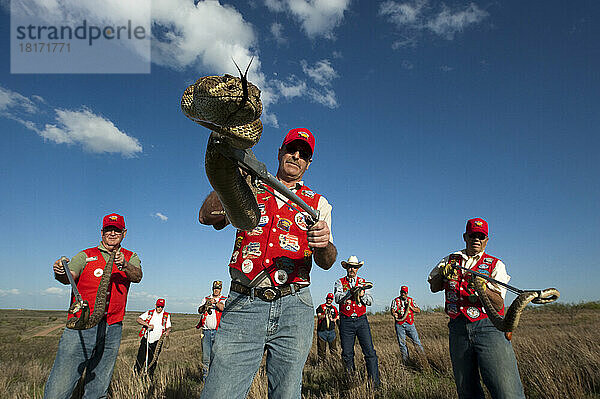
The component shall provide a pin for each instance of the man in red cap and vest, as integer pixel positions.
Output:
(403, 309)
(353, 295)
(475, 344)
(327, 316)
(211, 309)
(269, 306)
(155, 322)
(95, 349)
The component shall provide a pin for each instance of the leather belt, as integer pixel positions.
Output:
(267, 294)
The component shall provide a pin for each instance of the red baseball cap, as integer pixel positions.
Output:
(300, 133)
(404, 289)
(114, 219)
(477, 225)
(330, 296)
(160, 302)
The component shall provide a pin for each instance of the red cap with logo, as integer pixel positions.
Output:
(160, 302)
(300, 133)
(113, 219)
(330, 296)
(404, 289)
(477, 225)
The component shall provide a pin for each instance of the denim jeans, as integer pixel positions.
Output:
(402, 331)
(350, 329)
(94, 349)
(479, 346)
(249, 327)
(208, 339)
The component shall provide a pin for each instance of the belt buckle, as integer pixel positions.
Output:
(271, 293)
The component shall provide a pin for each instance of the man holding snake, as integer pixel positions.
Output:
(475, 344)
(95, 349)
(403, 309)
(270, 306)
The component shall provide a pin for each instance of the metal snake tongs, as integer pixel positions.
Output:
(541, 299)
(79, 304)
(247, 161)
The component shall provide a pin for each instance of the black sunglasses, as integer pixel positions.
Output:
(304, 153)
(481, 236)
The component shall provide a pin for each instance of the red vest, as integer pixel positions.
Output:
(89, 279)
(278, 244)
(217, 312)
(410, 319)
(163, 322)
(323, 308)
(351, 308)
(462, 300)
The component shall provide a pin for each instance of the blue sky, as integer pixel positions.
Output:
(425, 113)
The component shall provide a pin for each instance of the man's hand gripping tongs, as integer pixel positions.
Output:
(79, 303)
(247, 161)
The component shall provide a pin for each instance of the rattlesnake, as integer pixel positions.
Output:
(230, 107)
(509, 322)
(86, 320)
(157, 350)
(406, 312)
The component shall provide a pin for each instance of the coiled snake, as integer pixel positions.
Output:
(406, 312)
(230, 107)
(86, 320)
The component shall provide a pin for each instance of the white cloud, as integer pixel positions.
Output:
(324, 97)
(11, 101)
(10, 291)
(93, 132)
(55, 291)
(277, 32)
(446, 68)
(291, 89)
(407, 65)
(414, 17)
(318, 18)
(160, 216)
(322, 73)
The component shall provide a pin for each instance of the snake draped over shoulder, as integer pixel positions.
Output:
(230, 107)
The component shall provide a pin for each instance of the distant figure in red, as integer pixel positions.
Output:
(327, 316)
(211, 309)
(155, 322)
(403, 309)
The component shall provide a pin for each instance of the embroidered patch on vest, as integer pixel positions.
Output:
(98, 272)
(452, 308)
(256, 232)
(300, 220)
(247, 266)
(234, 257)
(488, 260)
(473, 312)
(281, 276)
(262, 208)
(284, 263)
(451, 296)
(91, 258)
(289, 242)
(252, 251)
(308, 193)
(263, 221)
(284, 224)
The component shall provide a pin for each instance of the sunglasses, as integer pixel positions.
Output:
(304, 153)
(479, 236)
(112, 229)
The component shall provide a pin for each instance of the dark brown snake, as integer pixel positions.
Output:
(86, 320)
(510, 321)
(230, 107)
(403, 318)
(159, 346)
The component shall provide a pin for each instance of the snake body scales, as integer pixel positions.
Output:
(86, 320)
(230, 107)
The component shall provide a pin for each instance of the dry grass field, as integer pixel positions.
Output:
(557, 346)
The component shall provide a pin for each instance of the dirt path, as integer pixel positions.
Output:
(46, 331)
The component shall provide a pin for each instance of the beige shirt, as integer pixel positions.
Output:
(499, 272)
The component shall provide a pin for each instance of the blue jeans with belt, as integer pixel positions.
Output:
(402, 331)
(94, 349)
(479, 346)
(249, 327)
(208, 339)
(358, 327)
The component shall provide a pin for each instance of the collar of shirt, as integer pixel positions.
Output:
(294, 189)
(471, 260)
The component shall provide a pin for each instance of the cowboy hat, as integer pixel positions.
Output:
(352, 261)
